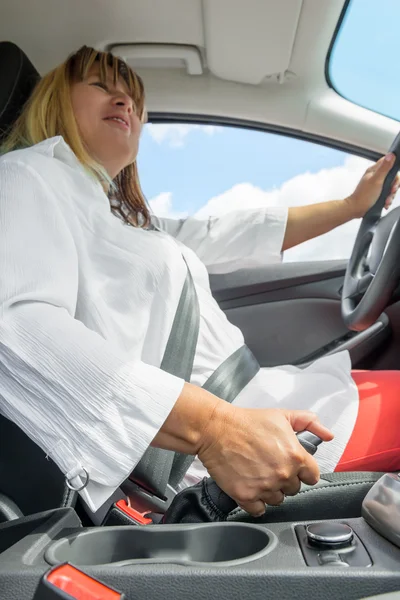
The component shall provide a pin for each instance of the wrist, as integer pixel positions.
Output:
(184, 429)
(213, 432)
(206, 422)
(350, 208)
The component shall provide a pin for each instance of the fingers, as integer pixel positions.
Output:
(256, 509)
(273, 498)
(309, 472)
(393, 191)
(385, 163)
(302, 420)
(381, 168)
(292, 487)
(389, 201)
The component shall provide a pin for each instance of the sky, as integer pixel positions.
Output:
(201, 170)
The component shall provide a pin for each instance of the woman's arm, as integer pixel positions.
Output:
(77, 395)
(253, 454)
(310, 221)
(236, 240)
(313, 220)
(254, 237)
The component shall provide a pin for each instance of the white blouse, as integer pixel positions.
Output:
(87, 304)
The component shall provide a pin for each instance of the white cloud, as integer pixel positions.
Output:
(161, 205)
(175, 134)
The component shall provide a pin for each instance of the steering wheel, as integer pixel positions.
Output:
(373, 271)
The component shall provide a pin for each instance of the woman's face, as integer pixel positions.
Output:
(107, 120)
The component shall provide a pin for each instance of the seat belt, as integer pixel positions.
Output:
(154, 468)
(226, 382)
(160, 469)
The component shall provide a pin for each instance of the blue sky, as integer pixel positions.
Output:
(182, 168)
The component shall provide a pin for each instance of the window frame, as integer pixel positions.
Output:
(198, 119)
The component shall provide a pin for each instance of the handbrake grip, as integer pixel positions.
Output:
(226, 504)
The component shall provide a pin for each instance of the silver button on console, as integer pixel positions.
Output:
(329, 535)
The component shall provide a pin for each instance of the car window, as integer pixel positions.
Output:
(210, 170)
(364, 59)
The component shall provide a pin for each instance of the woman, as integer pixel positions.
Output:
(88, 301)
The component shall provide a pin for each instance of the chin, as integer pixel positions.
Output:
(117, 157)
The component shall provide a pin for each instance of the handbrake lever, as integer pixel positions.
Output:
(206, 502)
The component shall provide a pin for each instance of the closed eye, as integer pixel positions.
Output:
(106, 88)
(101, 85)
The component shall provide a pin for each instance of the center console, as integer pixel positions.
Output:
(346, 560)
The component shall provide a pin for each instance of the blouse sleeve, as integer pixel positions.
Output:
(236, 240)
(74, 393)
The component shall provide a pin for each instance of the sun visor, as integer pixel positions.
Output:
(252, 40)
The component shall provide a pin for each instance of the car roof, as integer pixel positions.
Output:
(258, 61)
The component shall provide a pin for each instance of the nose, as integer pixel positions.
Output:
(122, 99)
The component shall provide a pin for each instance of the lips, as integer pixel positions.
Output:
(118, 119)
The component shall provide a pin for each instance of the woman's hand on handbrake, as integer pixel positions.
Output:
(254, 455)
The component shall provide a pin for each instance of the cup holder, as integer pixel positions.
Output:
(211, 543)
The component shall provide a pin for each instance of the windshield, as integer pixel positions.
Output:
(364, 63)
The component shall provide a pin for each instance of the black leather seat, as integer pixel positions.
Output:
(17, 79)
(35, 483)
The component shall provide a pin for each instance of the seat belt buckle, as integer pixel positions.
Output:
(140, 507)
(123, 513)
(146, 502)
(65, 582)
(131, 512)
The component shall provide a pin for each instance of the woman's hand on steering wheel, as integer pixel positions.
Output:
(369, 188)
(255, 457)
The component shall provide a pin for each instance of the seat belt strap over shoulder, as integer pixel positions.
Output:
(154, 469)
(159, 471)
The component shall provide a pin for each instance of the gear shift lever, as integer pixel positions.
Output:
(206, 501)
(381, 507)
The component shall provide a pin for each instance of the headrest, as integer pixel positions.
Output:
(18, 77)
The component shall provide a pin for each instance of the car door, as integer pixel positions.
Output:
(289, 312)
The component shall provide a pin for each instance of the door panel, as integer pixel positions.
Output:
(290, 313)
(247, 282)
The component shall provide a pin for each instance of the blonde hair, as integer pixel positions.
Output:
(49, 113)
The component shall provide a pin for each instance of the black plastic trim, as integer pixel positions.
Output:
(332, 45)
(359, 344)
(169, 117)
(247, 291)
(280, 573)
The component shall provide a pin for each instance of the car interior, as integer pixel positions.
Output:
(247, 64)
